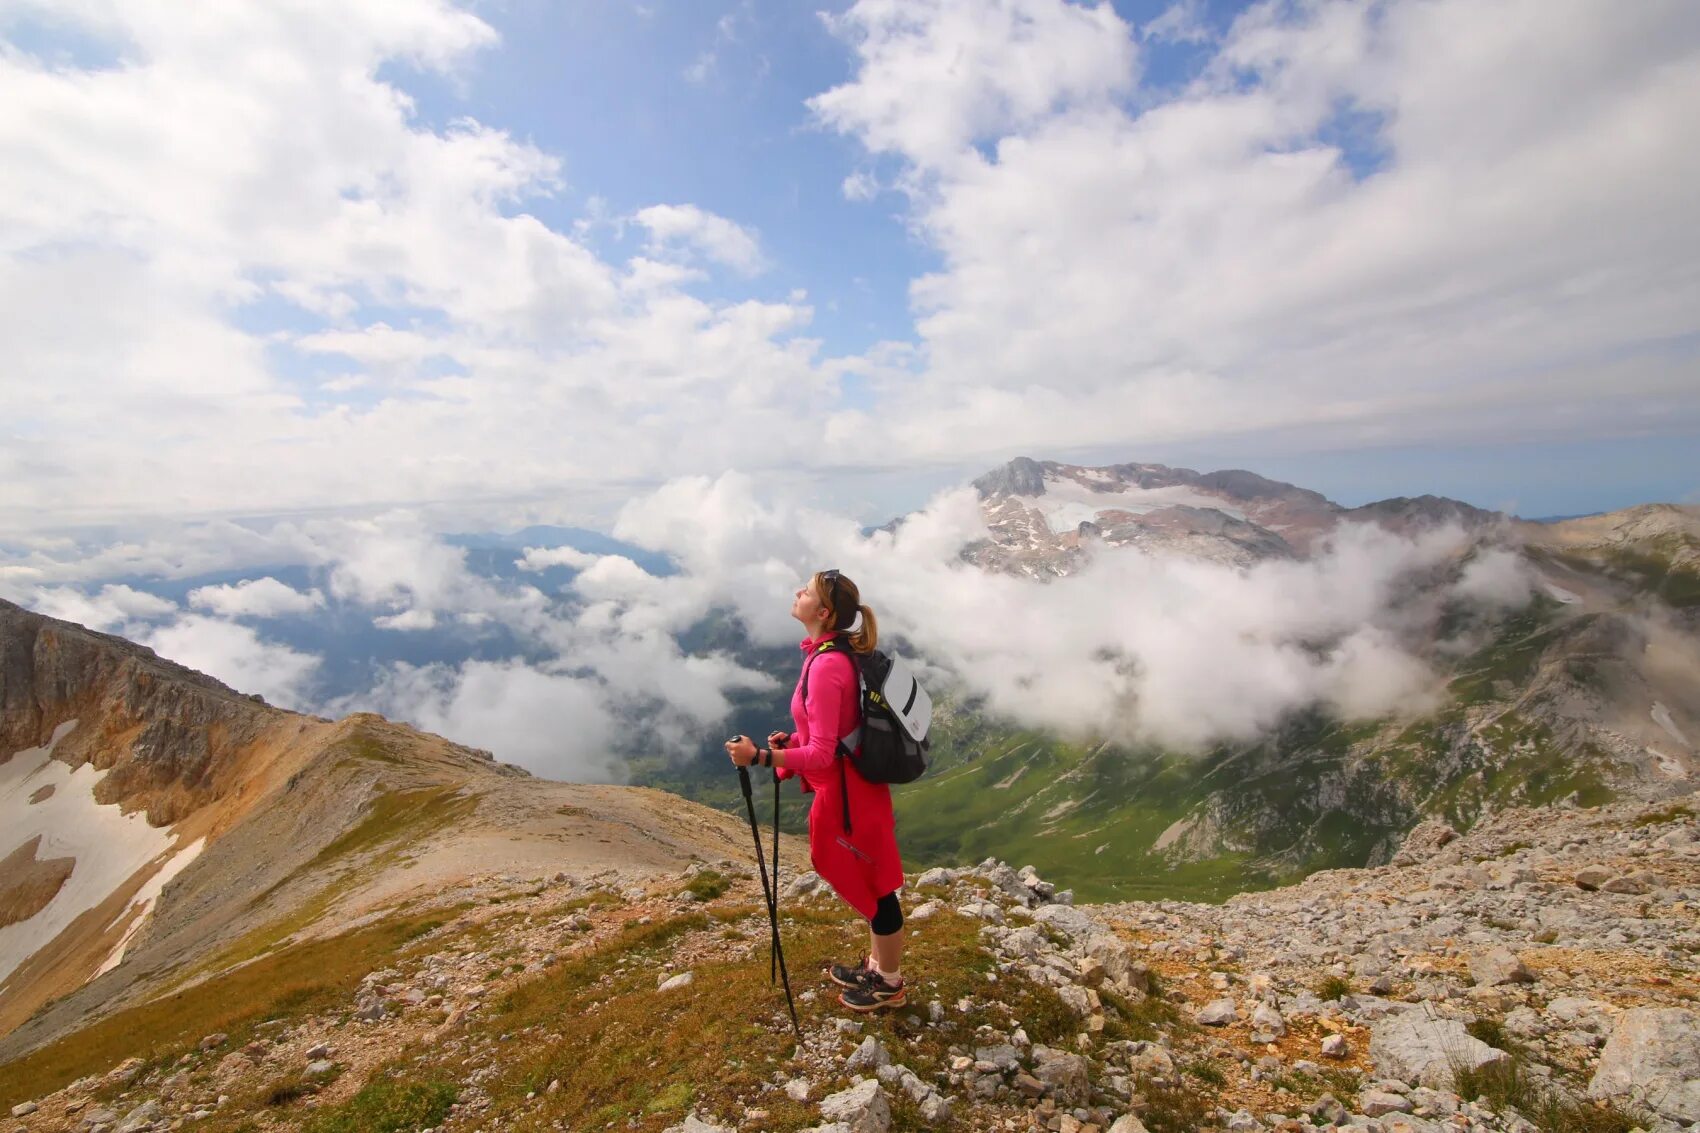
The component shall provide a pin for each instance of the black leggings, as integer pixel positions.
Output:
(888, 915)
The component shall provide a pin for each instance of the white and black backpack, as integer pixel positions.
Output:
(896, 713)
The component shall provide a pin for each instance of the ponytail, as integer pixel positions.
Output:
(867, 635)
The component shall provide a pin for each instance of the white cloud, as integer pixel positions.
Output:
(1359, 224)
(552, 724)
(407, 620)
(860, 186)
(260, 165)
(236, 655)
(713, 236)
(937, 76)
(256, 598)
(1496, 579)
(542, 558)
(112, 609)
(1181, 22)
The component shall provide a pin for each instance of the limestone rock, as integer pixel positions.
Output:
(1265, 1020)
(1423, 842)
(674, 983)
(1653, 1057)
(1594, 876)
(140, 1118)
(1328, 1110)
(867, 1058)
(1128, 975)
(1626, 884)
(125, 1071)
(1029, 1085)
(1128, 1123)
(1498, 966)
(1420, 1046)
(1218, 1013)
(1074, 923)
(1374, 1103)
(694, 1124)
(1065, 1074)
(862, 1108)
(803, 885)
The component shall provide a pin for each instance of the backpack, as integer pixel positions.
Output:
(896, 713)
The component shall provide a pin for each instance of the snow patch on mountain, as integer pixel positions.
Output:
(142, 903)
(109, 846)
(1662, 717)
(1067, 503)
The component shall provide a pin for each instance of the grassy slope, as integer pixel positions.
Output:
(316, 976)
(623, 1052)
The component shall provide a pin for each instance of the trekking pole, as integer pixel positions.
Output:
(772, 911)
(773, 900)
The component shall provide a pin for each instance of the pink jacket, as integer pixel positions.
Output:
(833, 711)
(864, 866)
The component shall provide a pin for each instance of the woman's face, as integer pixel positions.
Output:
(807, 607)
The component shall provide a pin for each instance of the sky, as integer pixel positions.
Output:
(520, 262)
(290, 292)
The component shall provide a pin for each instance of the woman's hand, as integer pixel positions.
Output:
(742, 749)
(777, 740)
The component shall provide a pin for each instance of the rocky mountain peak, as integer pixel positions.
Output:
(1022, 476)
(1045, 517)
(1405, 513)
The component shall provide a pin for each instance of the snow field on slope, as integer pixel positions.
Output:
(108, 845)
(1066, 503)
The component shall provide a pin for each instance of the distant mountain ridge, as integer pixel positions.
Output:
(1590, 692)
(1042, 514)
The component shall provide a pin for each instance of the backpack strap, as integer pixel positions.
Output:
(846, 744)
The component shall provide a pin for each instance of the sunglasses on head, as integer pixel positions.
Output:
(830, 578)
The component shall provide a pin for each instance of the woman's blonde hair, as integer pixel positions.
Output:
(867, 635)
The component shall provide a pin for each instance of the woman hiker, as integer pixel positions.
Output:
(863, 868)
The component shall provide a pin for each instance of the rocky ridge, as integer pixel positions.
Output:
(1535, 973)
(1045, 517)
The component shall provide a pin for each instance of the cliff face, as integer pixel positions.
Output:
(167, 737)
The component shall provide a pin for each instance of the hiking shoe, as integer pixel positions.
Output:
(874, 994)
(845, 976)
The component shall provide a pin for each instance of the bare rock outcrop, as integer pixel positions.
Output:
(1653, 1058)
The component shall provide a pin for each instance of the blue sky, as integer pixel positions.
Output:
(445, 254)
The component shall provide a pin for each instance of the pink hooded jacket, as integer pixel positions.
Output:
(864, 865)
